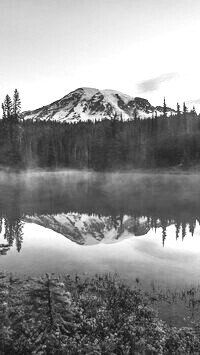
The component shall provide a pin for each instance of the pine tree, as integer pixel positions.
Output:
(7, 108)
(52, 301)
(4, 112)
(178, 110)
(135, 113)
(16, 106)
(193, 112)
(51, 307)
(184, 110)
(164, 109)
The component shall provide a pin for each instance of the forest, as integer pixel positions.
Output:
(156, 142)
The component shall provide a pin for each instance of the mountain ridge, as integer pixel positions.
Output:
(90, 104)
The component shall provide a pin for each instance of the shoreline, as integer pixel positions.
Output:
(156, 171)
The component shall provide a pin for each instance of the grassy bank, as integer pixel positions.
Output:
(72, 315)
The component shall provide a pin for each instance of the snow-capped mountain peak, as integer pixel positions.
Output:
(86, 104)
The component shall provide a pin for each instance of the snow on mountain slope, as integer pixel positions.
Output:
(85, 229)
(92, 104)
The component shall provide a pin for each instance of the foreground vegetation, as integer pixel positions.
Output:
(72, 315)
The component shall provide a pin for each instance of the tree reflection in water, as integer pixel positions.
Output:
(149, 201)
(11, 227)
(12, 233)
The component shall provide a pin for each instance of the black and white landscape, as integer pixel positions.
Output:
(99, 177)
(88, 104)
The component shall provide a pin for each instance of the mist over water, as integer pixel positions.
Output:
(102, 193)
(130, 222)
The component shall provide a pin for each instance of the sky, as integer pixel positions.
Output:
(146, 48)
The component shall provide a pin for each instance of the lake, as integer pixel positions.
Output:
(141, 225)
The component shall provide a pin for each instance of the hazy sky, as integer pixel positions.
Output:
(147, 48)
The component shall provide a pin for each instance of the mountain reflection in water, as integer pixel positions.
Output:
(87, 229)
(99, 208)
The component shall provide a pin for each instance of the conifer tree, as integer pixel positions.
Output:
(16, 106)
(184, 110)
(193, 112)
(52, 300)
(51, 306)
(178, 110)
(135, 113)
(4, 112)
(164, 109)
(7, 111)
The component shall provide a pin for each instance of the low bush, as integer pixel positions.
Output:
(72, 315)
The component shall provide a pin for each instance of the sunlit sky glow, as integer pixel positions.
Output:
(147, 48)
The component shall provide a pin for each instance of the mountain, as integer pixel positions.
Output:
(84, 229)
(86, 104)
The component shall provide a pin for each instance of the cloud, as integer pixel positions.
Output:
(154, 83)
(196, 101)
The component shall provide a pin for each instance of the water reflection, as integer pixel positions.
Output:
(106, 207)
(44, 250)
(11, 232)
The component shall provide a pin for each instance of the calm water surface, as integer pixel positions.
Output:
(138, 225)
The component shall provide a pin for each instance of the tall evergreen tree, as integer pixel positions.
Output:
(7, 107)
(164, 109)
(178, 110)
(135, 113)
(184, 110)
(193, 112)
(16, 106)
(4, 112)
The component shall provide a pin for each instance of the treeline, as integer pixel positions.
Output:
(108, 144)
